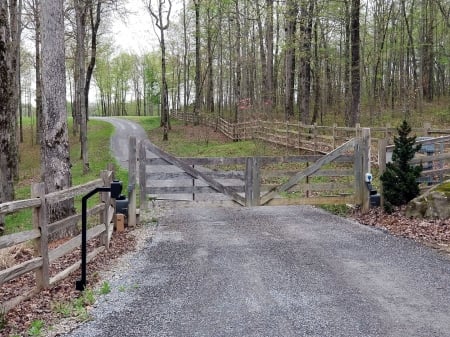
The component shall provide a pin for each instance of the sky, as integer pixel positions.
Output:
(135, 33)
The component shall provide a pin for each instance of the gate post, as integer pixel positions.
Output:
(132, 182)
(142, 180)
(366, 167)
(252, 182)
(362, 166)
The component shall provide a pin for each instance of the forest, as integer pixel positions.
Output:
(316, 61)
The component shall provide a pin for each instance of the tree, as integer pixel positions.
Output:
(162, 21)
(33, 22)
(400, 178)
(355, 71)
(290, 29)
(55, 159)
(6, 115)
(306, 23)
(80, 106)
(198, 64)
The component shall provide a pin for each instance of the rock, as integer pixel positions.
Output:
(434, 204)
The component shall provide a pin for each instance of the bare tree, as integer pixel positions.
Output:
(161, 20)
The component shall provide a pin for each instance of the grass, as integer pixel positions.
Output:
(194, 141)
(77, 308)
(36, 328)
(99, 153)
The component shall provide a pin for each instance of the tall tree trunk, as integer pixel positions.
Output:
(185, 65)
(355, 64)
(304, 82)
(209, 48)
(80, 79)
(269, 86)
(13, 48)
(38, 73)
(55, 162)
(291, 22)
(238, 77)
(262, 56)
(198, 64)
(162, 21)
(95, 18)
(7, 118)
(317, 73)
(427, 49)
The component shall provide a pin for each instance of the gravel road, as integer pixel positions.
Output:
(120, 139)
(273, 271)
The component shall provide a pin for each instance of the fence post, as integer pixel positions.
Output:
(132, 182)
(315, 137)
(287, 135)
(365, 136)
(381, 164)
(40, 222)
(334, 135)
(426, 129)
(388, 133)
(142, 176)
(252, 182)
(105, 197)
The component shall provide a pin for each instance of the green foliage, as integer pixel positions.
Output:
(3, 319)
(340, 210)
(36, 327)
(76, 308)
(105, 288)
(400, 178)
(99, 134)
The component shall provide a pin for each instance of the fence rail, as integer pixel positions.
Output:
(296, 135)
(324, 139)
(42, 230)
(334, 178)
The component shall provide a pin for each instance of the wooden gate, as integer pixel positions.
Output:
(335, 178)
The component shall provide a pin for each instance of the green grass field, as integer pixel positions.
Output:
(99, 134)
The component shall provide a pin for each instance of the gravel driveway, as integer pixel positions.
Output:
(120, 140)
(274, 271)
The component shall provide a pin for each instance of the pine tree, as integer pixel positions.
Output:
(399, 181)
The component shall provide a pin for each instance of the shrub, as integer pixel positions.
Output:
(400, 180)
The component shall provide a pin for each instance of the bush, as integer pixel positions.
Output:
(399, 181)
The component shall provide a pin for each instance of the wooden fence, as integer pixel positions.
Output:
(42, 230)
(296, 135)
(334, 178)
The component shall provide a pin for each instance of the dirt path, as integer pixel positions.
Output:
(275, 271)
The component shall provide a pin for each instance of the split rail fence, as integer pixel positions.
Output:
(323, 139)
(296, 135)
(42, 230)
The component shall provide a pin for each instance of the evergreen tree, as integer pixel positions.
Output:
(399, 181)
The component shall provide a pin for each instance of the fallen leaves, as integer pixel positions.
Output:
(434, 232)
(40, 307)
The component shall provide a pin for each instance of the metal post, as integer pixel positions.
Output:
(81, 284)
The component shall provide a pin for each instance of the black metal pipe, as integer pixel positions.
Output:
(81, 284)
